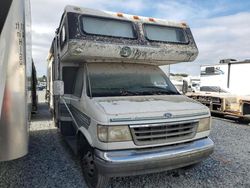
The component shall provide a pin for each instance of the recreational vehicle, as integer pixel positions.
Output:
(15, 78)
(112, 103)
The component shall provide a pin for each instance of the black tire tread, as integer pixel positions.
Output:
(102, 181)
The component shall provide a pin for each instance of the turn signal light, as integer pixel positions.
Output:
(151, 19)
(120, 14)
(184, 24)
(136, 17)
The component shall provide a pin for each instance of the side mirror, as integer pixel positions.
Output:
(58, 88)
(185, 87)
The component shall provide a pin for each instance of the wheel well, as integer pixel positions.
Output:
(82, 144)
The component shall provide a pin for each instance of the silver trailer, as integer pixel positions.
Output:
(15, 78)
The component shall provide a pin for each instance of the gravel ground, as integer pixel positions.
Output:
(51, 163)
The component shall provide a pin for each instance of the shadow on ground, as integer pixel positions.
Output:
(42, 114)
(232, 119)
(50, 162)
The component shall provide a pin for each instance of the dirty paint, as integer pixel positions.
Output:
(92, 48)
(144, 104)
(89, 51)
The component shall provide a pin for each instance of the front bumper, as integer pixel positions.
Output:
(150, 160)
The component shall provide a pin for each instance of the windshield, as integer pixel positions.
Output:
(114, 79)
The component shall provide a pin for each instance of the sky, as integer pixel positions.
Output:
(221, 28)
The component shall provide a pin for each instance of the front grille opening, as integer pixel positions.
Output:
(216, 107)
(157, 134)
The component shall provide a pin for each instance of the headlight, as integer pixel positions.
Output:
(204, 124)
(113, 133)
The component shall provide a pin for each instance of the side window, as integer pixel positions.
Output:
(158, 80)
(78, 83)
(62, 36)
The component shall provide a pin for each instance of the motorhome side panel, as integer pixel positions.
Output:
(13, 93)
(30, 65)
(239, 77)
(214, 75)
(49, 90)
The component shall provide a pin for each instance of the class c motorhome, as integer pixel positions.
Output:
(113, 104)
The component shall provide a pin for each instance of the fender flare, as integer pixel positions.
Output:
(86, 134)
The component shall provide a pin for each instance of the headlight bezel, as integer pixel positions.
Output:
(204, 124)
(113, 133)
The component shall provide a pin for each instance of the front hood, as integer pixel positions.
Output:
(148, 104)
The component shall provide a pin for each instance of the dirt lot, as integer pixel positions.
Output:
(51, 163)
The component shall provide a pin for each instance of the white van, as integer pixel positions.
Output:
(117, 110)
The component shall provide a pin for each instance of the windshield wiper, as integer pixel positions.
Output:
(159, 90)
(134, 91)
(127, 92)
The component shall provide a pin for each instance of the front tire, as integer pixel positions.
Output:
(91, 175)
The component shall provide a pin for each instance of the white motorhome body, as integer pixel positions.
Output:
(228, 75)
(15, 78)
(119, 111)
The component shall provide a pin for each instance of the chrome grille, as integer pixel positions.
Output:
(163, 133)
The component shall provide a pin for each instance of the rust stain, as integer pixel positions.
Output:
(6, 108)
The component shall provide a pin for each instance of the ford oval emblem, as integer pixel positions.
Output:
(125, 51)
(167, 115)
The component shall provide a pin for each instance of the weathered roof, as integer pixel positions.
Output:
(109, 14)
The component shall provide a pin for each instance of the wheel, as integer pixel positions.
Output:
(91, 175)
